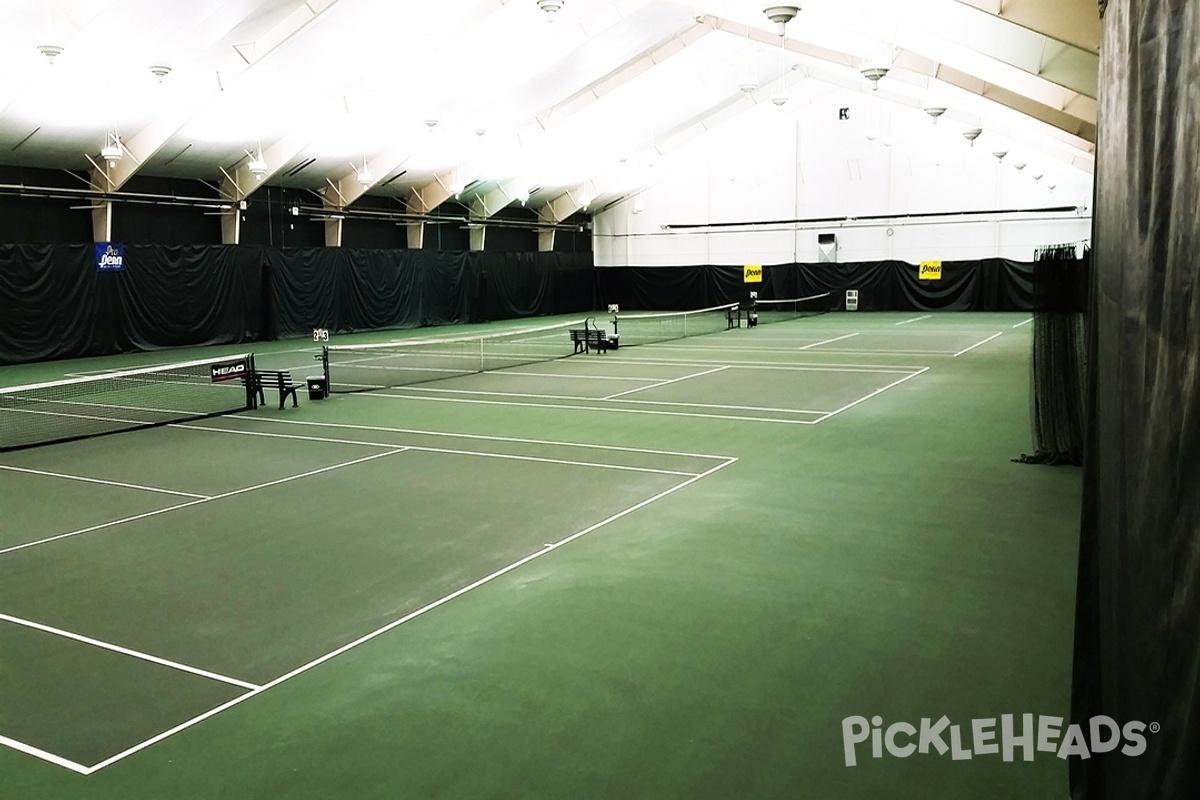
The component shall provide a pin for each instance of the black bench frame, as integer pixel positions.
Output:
(279, 380)
(588, 338)
(733, 316)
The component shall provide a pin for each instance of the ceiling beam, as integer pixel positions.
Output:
(142, 145)
(1073, 22)
(927, 67)
(491, 203)
(242, 183)
(624, 73)
(963, 28)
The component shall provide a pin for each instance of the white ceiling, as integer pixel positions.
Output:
(555, 106)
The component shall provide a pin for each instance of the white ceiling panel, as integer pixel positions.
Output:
(498, 93)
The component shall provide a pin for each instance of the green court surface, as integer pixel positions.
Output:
(664, 571)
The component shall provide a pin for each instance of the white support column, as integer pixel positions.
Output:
(102, 219)
(416, 235)
(333, 232)
(231, 226)
(477, 234)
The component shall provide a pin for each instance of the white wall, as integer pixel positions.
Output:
(804, 164)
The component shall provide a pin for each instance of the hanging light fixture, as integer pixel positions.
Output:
(781, 16)
(111, 152)
(874, 71)
(160, 70)
(935, 112)
(999, 154)
(50, 51)
(971, 134)
(257, 164)
(550, 6)
(363, 173)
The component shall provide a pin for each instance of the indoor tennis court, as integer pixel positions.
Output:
(240, 552)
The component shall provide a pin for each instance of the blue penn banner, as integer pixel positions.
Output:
(110, 257)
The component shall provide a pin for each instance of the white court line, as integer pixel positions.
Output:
(57, 761)
(980, 344)
(775, 365)
(786, 350)
(445, 390)
(828, 341)
(595, 408)
(665, 383)
(872, 394)
(85, 479)
(397, 623)
(1026, 322)
(420, 449)
(840, 352)
(168, 509)
(574, 376)
(603, 399)
(125, 651)
(481, 437)
(915, 319)
(726, 407)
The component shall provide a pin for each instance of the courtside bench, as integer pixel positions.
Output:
(279, 380)
(588, 339)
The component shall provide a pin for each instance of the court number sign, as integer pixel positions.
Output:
(930, 271)
(752, 273)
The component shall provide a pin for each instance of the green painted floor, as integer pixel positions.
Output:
(745, 579)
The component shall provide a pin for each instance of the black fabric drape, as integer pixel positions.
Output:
(514, 285)
(1137, 622)
(54, 304)
(519, 285)
(445, 285)
(48, 302)
(987, 285)
(181, 296)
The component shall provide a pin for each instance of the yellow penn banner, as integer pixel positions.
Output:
(752, 273)
(930, 271)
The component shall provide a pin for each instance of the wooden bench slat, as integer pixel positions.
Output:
(279, 380)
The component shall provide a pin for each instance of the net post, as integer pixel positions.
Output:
(325, 368)
(251, 394)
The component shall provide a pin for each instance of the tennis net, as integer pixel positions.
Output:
(77, 408)
(632, 329)
(783, 310)
(356, 368)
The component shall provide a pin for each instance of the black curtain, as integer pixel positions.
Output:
(514, 285)
(346, 291)
(55, 304)
(986, 285)
(1137, 649)
(1059, 361)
